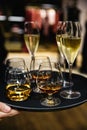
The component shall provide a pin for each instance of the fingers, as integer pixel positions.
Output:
(6, 111)
(4, 108)
(9, 114)
(13, 112)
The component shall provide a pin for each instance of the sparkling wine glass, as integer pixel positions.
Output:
(17, 79)
(70, 46)
(31, 37)
(50, 82)
(59, 35)
(34, 66)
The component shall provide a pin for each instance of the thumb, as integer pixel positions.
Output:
(4, 107)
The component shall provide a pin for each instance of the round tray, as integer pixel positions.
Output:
(33, 102)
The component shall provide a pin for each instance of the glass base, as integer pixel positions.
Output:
(50, 103)
(68, 94)
(67, 84)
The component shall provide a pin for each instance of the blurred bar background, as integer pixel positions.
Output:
(47, 13)
(14, 13)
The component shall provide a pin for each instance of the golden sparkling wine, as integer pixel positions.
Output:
(58, 38)
(70, 48)
(32, 42)
(17, 92)
(59, 42)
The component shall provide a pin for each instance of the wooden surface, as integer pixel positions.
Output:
(70, 119)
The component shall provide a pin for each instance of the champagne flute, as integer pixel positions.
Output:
(17, 79)
(59, 35)
(50, 82)
(70, 46)
(31, 37)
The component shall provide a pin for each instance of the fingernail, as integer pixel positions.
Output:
(6, 108)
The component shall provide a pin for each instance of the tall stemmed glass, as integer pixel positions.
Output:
(59, 35)
(70, 46)
(31, 37)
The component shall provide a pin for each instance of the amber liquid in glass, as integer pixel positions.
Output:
(17, 92)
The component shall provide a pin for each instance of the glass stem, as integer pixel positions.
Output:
(64, 72)
(64, 69)
(32, 57)
(70, 74)
(32, 62)
(64, 64)
(50, 97)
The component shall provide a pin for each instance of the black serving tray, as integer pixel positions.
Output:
(33, 102)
